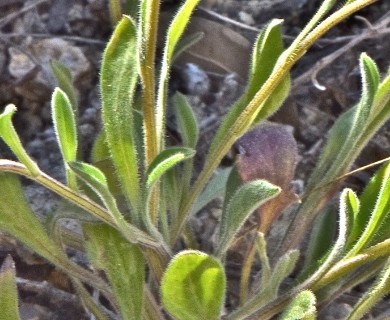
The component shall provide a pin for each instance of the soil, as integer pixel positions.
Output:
(35, 32)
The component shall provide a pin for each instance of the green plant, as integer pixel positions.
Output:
(131, 231)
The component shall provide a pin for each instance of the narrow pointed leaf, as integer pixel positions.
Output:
(8, 291)
(214, 189)
(118, 81)
(193, 286)
(284, 267)
(123, 264)
(303, 307)
(174, 34)
(98, 183)
(185, 43)
(186, 121)
(65, 82)
(245, 200)
(321, 240)
(165, 161)
(373, 218)
(11, 138)
(66, 131)
(379, 289)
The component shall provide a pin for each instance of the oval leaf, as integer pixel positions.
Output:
(244, 201)
(193, 286)
(302, 307)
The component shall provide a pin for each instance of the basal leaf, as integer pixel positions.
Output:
(118, 80)
(66, 131)
(193, 286)
(303, 307)
(244, 201)
(123, 264)
(165, 161)
(8, 291)
(64, 81)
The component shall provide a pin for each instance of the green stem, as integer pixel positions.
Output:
(343, 267)
(245, 119)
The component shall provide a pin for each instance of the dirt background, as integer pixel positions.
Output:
(326, 82)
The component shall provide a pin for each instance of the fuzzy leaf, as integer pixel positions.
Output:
(64, 81)
(186, 121)
(193, 286)
(282, 270)
(123, 264)
(66, 131)
(266, 52)
(8, 291)
(118, 80)
(17, 219)
(165, 161)
(301, 308)
(11, 138)
(174, 33)
(346, 134)
(378, 290)
(371, 224)
(244, 201)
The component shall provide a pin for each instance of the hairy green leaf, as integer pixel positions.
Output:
(244, 201)
(373, 218)
(268, 48)
(175, 32)
(66, 131)
(11, 138)
(118, 80)
(379, 289)
(123, 264)
(64, 81)
(186, 121)
(193, 286)
(165, 161)
(8, 291)
(17, 219)
(301, 308)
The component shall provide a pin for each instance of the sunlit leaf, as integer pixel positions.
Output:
(193, 286)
